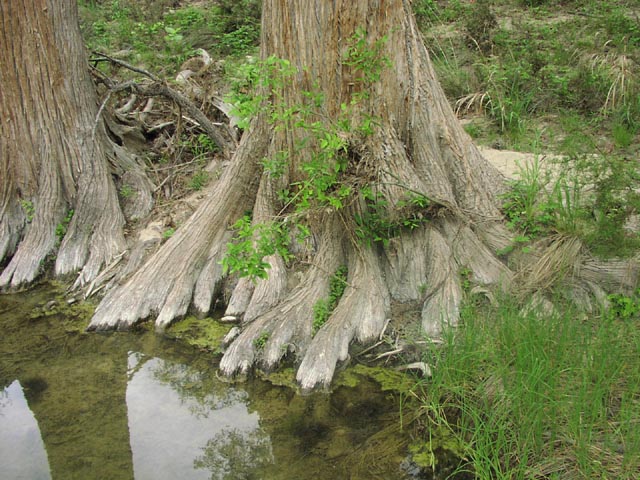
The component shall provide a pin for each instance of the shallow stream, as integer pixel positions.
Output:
(138, 405)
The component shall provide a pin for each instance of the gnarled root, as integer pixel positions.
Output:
(187, 268)
(288, 326)
(360, 314)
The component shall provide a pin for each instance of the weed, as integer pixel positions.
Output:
(377, 224)
(29, 209)
(168, 233)
(126, 191)
(252, 243)
(623, 306)
(521, 204)
(198, 181)
(261, 341)
(61, 228)
(322, 308)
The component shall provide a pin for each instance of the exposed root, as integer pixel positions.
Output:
(39, 236)
(164, 286)
(89, 249)
(443, 290)
(285, 328)
(288, 326)
(269, 292)
(474, 254)
(240, 297)
(187, 267)
(565, 259)
(12, 222)
(559, 258)
(360, 314)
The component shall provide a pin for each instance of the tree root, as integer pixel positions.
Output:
(360, 314)
(39, 240)
(187, 268)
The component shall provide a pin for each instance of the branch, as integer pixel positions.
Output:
(160, 88)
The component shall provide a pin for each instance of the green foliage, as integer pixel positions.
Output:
(126, 191)
(323, 308)
(425, 10)
(479, 24)
(261, 341)
(253, 83)
(252, 243)
(258, 90)
(235, 26)
(365, 57)
(538, 65)
(160, 36)
(587, 196)
(198, 181)
(465, 277)
(623, 306)
(378, 224)
(61, 228)
(521, 204)
(29, 209)
(531, 392)
(168, 233)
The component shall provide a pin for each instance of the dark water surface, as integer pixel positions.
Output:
(137, 405)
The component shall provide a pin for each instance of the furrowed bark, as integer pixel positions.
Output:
(188, 263)
(360, 315)
(52, 149)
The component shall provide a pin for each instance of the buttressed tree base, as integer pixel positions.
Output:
(376, 169)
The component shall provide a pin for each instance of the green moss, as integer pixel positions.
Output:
(205, 333)
(75, 316)
(388, 379)
(284, 377)
(427, 453)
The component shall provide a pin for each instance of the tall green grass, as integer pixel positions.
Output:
(539, 396)
(527, 64)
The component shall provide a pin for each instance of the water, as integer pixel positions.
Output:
(136, 405)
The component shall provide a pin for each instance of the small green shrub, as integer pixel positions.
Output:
(479, 24)
(168, 233)
(29, 209)
(261, 341)
(623, 306)
(323, 308)
(252, 243)
(588, 196)
(126, 191)
(61, 228)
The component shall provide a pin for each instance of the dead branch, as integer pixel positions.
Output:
(158, 87)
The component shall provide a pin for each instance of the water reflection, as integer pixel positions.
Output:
(125, 406)
(22, 453)
(175, 433)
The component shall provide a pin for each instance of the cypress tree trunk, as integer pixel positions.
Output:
(56, 189)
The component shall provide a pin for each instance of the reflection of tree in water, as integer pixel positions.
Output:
(201, 390)
(233, 454)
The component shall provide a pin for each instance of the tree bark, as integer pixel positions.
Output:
(56, 191)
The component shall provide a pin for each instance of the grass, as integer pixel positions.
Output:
(155, 36)
(553, 396)
(545, 396)
(526, 65)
